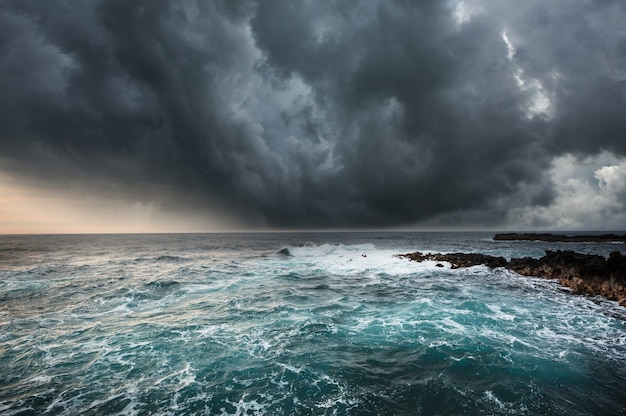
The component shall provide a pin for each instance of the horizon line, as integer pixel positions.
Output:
(321, 231)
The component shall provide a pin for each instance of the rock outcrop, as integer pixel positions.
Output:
(584, 273)
(556, 238)
(458, 260)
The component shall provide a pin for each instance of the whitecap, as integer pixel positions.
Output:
(491, 397)
(451, 324)
(249, 407)
(499, 314)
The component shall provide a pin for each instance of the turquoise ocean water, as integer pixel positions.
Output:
(227, 324)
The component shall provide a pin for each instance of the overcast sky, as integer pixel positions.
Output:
(158, 115)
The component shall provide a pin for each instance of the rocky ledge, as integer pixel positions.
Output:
(558, 238)
(584, 273)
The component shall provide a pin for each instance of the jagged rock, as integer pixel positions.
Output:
(285, 252)
(585, 273)
(554, 238)
(458, 260)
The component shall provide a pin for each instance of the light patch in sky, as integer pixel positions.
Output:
(539, 103)
(29, 209)
(510, 49)
(590, 190)
(461, 11)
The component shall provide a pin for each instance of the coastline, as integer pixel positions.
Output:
(588, 274)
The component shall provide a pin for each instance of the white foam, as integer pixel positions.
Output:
(491, 397)
(184, 376)
(360, 259)
(40, 379)
(450, 324)
(499, 314)
(248, 407)
(288, 367)
(208, 331)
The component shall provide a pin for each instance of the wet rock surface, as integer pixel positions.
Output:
(584, 273)
(458, 260)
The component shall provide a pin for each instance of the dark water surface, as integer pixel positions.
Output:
(225, 324)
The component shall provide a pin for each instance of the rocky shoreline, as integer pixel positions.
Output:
(560, 238)
(584, 273)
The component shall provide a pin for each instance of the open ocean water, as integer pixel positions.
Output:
(227, 324)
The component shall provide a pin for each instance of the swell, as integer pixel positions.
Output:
(323, 331)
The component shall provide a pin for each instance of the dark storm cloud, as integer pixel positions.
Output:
(298, 114)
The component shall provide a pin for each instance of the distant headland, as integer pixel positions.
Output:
(558, 238)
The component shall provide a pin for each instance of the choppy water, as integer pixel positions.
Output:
(225, 324)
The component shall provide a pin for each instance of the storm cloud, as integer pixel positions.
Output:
(319, 114)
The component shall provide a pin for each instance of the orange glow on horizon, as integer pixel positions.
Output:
(32, 209)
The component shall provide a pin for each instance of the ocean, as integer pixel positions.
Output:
(298, 324)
